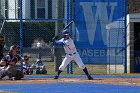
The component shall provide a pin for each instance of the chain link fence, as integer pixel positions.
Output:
(31, 24)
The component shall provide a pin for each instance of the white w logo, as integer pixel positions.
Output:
(101, 15)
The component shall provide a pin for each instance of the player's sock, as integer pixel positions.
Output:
(57, 74)
(86, 72)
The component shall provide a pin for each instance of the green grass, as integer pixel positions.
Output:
(93, 69)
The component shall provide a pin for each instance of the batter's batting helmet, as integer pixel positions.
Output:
(65, 32)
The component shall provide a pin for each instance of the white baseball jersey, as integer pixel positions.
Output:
(71, 54)
(69, 46)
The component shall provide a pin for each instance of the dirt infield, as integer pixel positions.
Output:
(115, 81)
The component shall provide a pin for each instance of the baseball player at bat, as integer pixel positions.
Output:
(8, 63)
(71, 53)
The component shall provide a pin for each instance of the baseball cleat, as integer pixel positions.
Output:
(90, 78)
(56, 77)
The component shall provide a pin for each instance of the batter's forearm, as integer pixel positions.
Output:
(57, 42)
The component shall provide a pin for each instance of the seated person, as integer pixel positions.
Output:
(39, 63)
(40, 67)
(27, 66)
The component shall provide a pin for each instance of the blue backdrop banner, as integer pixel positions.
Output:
(100, 30)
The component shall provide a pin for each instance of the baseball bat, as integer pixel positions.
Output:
(68, 25)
